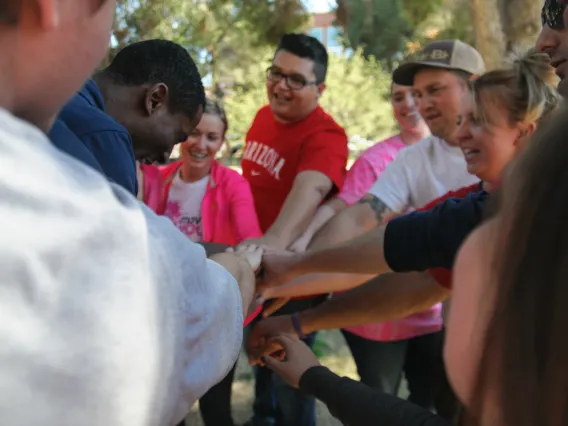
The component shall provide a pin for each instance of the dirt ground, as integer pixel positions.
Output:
(335, 355)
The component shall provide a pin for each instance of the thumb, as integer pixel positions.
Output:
(271, 362)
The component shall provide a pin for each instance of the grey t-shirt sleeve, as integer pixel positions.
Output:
(205, 303)
(107, 312)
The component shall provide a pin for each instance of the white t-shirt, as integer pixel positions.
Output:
(184, 206)
(108, 314)
(421, 173)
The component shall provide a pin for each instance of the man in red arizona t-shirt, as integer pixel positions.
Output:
(294, 158)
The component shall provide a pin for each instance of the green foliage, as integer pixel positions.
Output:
(222, 35)
(417, 11)
(379, 27)
(356, 96)
(391, 29)
(453, 20)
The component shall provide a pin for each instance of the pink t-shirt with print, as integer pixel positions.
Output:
(366, 169)
(359, 179)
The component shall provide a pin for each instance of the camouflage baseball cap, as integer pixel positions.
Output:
(447, 54)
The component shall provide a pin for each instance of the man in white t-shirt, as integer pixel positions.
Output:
(431, 167)
(108, 314)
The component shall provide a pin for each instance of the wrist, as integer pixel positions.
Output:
(274, 241)
(296, 319)
(298, 264)
(296, 325)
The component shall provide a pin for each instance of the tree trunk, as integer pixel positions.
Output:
(521, 23)
(489, 40)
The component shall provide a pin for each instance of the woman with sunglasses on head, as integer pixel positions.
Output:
(505, 108)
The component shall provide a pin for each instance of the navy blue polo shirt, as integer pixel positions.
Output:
(431, 239)
(64, 139)
(104, 137)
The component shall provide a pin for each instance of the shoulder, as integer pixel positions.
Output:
(324, 122)
(389, 146)
(262, 119)
(168, 170)
(263, 114)
(85, 119)
(416, 155)
(225, 176)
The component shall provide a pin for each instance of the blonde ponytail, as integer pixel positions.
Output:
(526, 89)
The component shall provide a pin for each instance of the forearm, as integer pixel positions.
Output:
(308, 285)
(322, 217)
(352, 222)
(298, 209)
(240, 269)
(348, 224)
(384, 298)
(362, 255)
(354, 403)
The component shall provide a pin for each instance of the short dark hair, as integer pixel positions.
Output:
(9, 11)
(161, 61)
(304, 46)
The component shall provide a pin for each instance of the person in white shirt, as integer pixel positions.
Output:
(430, 168)
(108, 314)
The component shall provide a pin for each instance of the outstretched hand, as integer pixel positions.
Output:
(251, 253)
(259, 341)
(298, 358)
(278, 268)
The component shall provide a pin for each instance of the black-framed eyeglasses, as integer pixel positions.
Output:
(293, 81)
(553, 14)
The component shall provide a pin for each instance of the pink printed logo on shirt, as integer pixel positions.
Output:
(190, 226)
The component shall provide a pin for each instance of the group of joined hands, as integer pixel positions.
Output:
(274, 341)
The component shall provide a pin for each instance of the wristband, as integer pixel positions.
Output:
(297, 326)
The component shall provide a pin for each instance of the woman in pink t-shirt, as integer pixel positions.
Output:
(412, 345)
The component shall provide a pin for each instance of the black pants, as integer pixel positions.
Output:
(215, 405)
(381, 365)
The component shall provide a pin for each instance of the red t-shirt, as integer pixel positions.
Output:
(275, 153)
(443, 275)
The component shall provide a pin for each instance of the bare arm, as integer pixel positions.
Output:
(384, 298)
(362, 255)
(352, 222)
(309, 189)
(364, 216)
(238, 266)
(323, 214)
(308, 285)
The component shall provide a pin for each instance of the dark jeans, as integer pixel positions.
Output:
(275, 402)
(381, 365)
(215, 405)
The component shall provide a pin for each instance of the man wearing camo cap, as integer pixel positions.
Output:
(433, 166)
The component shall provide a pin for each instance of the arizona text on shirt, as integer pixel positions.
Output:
(265, 157)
